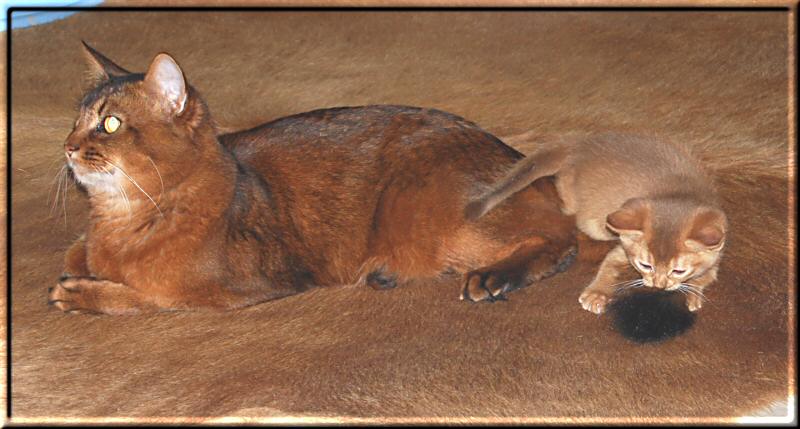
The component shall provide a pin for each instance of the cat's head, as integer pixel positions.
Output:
(137, 134)
(669, 241)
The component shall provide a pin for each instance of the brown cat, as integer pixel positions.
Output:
(652, 195)
(184, 219)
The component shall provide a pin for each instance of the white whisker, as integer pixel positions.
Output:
(159, 178)
(137, 185)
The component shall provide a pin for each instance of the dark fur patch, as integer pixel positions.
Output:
(646, 316)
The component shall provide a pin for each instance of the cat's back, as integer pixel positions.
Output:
(609, 169)
(365, 131)
(643, 164)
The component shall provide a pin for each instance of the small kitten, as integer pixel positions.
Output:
(653, 195)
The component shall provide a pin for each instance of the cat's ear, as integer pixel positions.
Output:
(629, 220)
(707, 230)
(164, 79)
(100, 67)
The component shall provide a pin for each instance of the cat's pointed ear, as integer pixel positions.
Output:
(707, 230)
(629, 220)
(165, 80)
(100, 67)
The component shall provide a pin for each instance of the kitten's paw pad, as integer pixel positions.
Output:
(693, 302)
(379, 280)
(484, 286)
(68, 296)
(594, 301)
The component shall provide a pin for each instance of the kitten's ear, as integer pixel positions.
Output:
(629, 220)
(707, 230)
(100, 67)
(165, 80)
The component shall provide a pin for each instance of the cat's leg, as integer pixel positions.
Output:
(533, 260)
(90, 295)
(75, 259)
(695, 300)
(597, 295)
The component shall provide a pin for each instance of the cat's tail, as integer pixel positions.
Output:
(545, 162)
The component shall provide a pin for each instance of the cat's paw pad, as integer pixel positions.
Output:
(594, 301)
(693, 302)
(68, 295)
(484, 286)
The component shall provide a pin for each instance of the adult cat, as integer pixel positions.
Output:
(184, 219)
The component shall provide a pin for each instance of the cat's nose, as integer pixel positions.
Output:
(70, 148)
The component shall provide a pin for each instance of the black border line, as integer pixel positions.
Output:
(8, 213)
(11, 9)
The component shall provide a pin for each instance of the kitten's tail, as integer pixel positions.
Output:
(545, 162)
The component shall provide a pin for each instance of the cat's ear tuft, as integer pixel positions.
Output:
(165, 80)
(100, 67)
(629, 220)
(707, 230)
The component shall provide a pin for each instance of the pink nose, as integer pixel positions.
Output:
(70, 149)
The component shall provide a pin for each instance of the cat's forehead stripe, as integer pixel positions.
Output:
(112, 86)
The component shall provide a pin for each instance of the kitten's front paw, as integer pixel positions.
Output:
(693, 302)
(69, 296)
(594, 301)
(484, 286)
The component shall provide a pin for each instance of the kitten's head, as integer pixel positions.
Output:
(137, 134)
(669, 241)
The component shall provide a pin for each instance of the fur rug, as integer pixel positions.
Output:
(416, 353)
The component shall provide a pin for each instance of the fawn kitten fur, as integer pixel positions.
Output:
(181, 218)
(652, 195)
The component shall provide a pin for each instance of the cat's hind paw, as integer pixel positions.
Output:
(594, 301)
(485, 286)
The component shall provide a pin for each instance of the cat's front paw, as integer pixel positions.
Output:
(693, 302)
(594, 301)
(69, 295)
(485, 286)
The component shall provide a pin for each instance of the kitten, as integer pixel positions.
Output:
(652, 195)
(181, 218)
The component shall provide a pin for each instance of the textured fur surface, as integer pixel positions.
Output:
(713, 79)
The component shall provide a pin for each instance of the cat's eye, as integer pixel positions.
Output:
(111, 124)
(646, 267)
(677, 272)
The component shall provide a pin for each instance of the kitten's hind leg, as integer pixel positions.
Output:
(90, 295)
(597, 295)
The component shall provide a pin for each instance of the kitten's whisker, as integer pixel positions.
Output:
(137, 185)
(694, 290)
(159, 178)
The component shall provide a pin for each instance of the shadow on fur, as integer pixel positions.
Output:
(647, 316)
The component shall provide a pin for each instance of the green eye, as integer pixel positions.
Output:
(111, 124)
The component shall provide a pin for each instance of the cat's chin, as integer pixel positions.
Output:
(96, 182)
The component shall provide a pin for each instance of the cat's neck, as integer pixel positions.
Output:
(203, 192)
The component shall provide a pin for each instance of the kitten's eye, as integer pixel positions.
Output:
(677, 272)
(646, 267)
(111, 124)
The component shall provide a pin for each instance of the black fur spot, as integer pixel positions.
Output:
(645, 316)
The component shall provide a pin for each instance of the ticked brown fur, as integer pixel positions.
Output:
(652, 195)
(183, 219)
